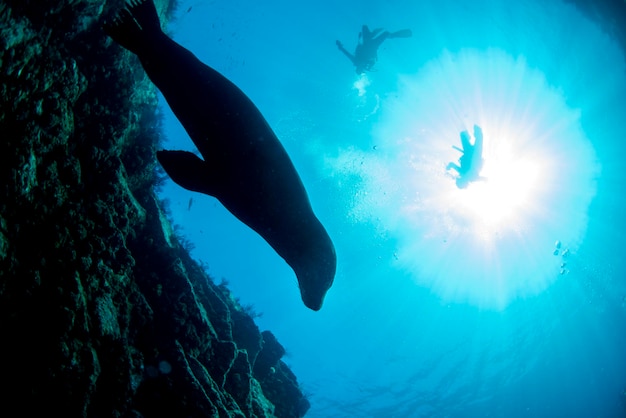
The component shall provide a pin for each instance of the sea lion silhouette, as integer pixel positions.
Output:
(244, 166)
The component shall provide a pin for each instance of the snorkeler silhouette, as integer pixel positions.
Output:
(366, 52)
(471, 162)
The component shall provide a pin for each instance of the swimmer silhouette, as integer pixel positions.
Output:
(471, 161)
(243, 163)
(366, 52)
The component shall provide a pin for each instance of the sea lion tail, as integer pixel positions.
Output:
(134, 24)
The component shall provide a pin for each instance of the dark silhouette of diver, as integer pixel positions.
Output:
(471, 162)
(366, 52)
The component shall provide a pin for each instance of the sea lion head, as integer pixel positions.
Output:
(314, 283)
(315, 270)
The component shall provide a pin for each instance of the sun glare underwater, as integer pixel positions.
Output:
(506, 236)
(505, 298)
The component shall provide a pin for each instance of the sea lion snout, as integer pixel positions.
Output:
(313, 295)
(315, 280)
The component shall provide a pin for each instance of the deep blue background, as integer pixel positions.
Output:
(387, 344)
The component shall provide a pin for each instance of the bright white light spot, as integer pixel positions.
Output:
(510, 182)
(361, 84)
(368, 105)
(494, 241)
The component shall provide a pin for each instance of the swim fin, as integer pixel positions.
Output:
(404, 33)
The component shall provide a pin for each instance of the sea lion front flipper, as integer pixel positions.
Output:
(187, 170)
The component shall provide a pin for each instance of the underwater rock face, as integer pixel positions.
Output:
(102, 311)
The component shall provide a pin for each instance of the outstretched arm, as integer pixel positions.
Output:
(347, 54)
(453, 166)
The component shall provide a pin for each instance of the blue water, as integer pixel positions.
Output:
(507, 299)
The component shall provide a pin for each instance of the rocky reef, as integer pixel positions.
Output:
(102, 311)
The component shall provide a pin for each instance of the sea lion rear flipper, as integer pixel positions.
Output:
(134, 25)
(187, 170)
